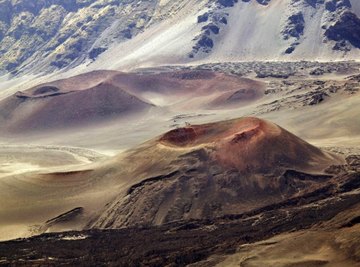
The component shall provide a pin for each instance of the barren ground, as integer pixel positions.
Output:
(34, 188)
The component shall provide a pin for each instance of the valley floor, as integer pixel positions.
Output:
(322, 109)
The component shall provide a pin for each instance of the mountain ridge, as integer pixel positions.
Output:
(43, 36)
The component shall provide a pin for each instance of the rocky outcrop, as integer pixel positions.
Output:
(294, 29)
(227, 3)
(314, 3)
(295, 26)
(213, 21)
(263, 2)
(203, 18)
(333, 5)
(95, 52)
(345, 31)
(34, 31)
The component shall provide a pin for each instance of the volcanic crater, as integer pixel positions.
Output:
(193, 135)
(215, 169)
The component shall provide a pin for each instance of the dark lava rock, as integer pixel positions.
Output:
(227, 3)
(330, 6)
(203, 18)
(5, 11)
(346, 29)
(94, 53)
(206, 42)
(127, 33)
(223, 20)
(78, 45)
(313, 3)
(290, 50)
(333, 5)
(342, 46)
(317, 72)
(317, 98)
(59, 64)
(264, 74)
(211, 28)
(263, 2)
(219, 18)
(295, 26)
(11, 66)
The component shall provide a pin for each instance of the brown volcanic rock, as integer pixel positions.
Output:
(216, 169)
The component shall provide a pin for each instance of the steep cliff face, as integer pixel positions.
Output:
(46, 35)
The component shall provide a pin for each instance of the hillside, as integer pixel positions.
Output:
(217, 169)
(165, 32)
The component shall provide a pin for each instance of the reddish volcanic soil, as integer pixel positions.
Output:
(239, 130)
(250, 143)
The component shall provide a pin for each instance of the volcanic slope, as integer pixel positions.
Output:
(100, 96)
(212, 170)
(196, 172)
(48, 106)
(38, 36)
